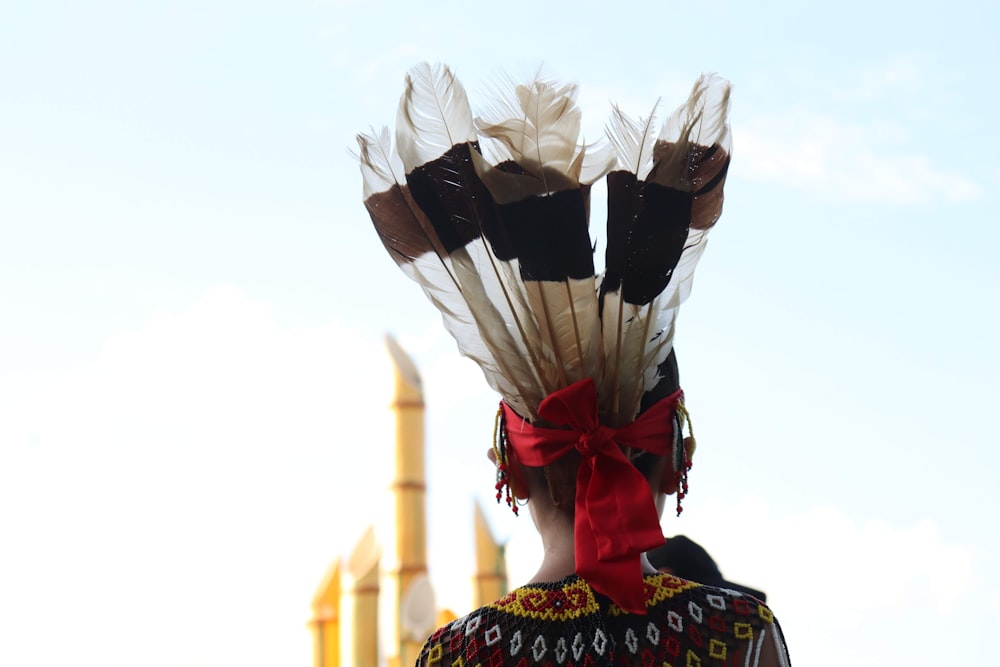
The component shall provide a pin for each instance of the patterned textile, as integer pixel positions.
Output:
(565, 623)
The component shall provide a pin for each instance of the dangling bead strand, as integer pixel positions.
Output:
(681, 476)
(500, 444)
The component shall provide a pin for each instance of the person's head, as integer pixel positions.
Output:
(551, 489)
(558, 480)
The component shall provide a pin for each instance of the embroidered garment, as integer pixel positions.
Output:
(565, 623)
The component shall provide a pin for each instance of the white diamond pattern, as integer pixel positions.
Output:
(515, 643)
(578, 646)
(695, 611)
(538, 649)
(653, 633)
(600, 642)
(631, 641)
(561, 650)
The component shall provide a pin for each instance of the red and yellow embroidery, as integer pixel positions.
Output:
(551, 604)
(659, 588)
(565, 623)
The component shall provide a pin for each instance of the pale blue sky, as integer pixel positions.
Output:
(191, 297)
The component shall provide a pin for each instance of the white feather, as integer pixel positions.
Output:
(433, 116)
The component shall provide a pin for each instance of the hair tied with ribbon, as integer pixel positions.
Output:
(615, 516)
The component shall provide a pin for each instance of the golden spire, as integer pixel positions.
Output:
(325, 622)
(359, 605)
(407, 573)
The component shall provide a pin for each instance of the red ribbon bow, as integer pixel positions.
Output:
(616, 518)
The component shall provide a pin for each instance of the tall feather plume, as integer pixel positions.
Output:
(414, 244)
(659, 209)
(433, 225)
(543, 206)
(502, 247)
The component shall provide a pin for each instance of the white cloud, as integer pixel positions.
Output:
(900, 75)
(838, 161)
(878, 157)
(187, 487)
(223, 367)
(893, 564)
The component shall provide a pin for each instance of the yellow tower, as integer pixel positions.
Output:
(325, 622)
(378, 606)
(406, 574)
(490, 583)
(359, 605)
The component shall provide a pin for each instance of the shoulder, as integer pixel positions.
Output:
(689, 619)
(432, 652)
(686, 604)
(478, 633)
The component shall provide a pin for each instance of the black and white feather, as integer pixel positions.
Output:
(500, 242)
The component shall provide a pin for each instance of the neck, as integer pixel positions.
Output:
(559, 559)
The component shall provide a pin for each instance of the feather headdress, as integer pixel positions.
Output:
(502, 247)
(490, 217)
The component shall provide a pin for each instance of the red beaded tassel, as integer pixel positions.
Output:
(681, 477)
(500, 445)
(682, 452)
